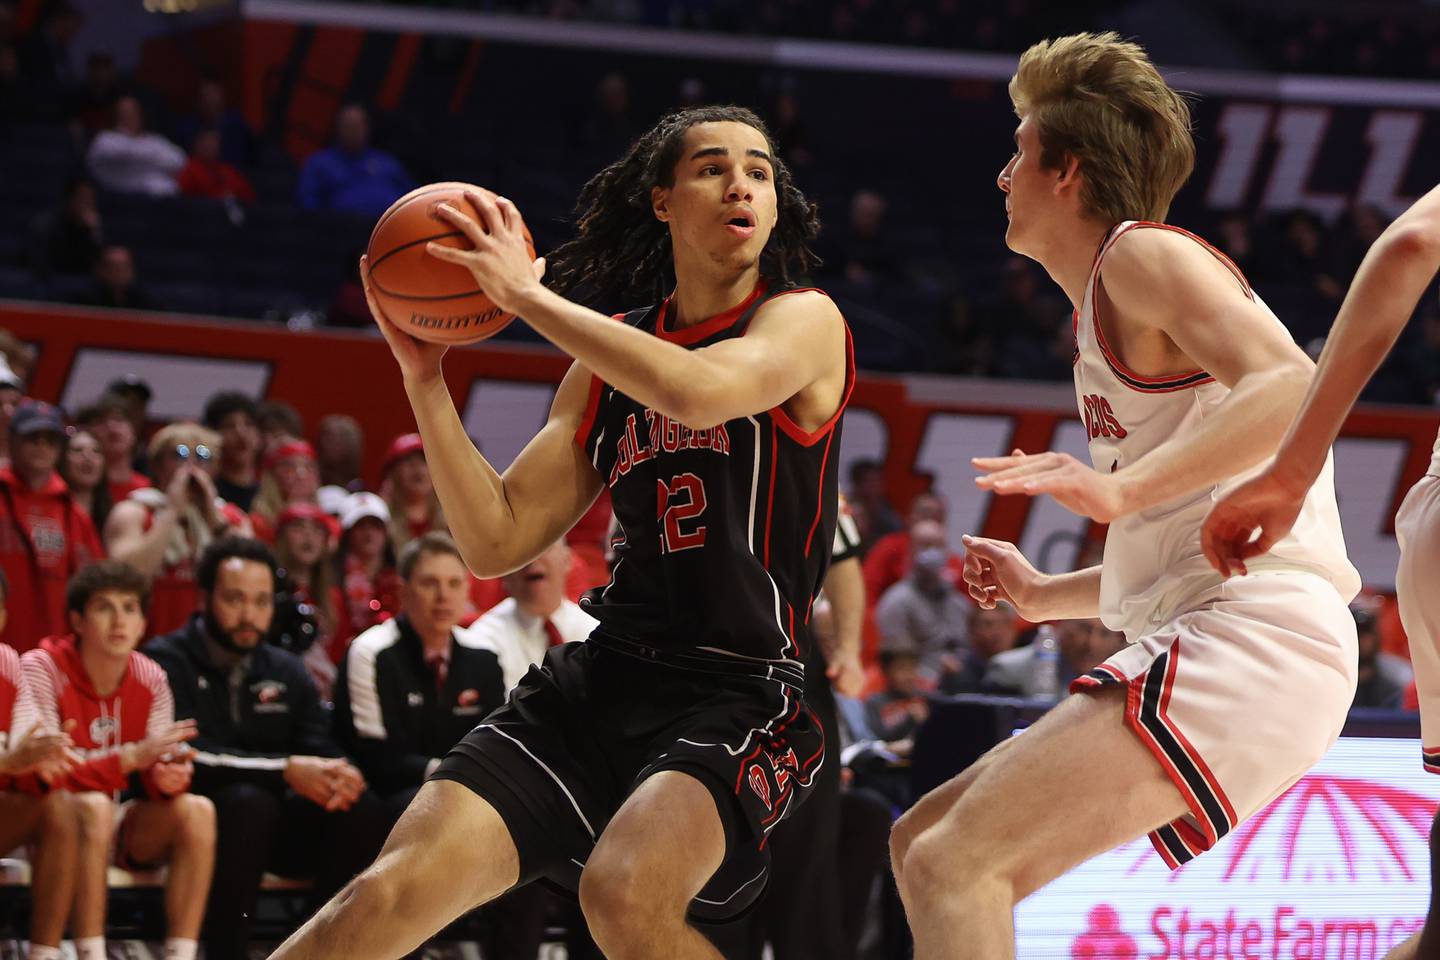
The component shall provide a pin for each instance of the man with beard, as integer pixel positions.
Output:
(285, 797)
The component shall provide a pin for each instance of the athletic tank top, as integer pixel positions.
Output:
(1435, 458)
(725, 532)
(1153, 566)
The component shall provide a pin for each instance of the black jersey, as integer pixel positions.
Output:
(726, 531)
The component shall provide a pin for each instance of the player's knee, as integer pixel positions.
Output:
(614, 897)
(195, 819)
(95, 813)
(376, 891)
(59, 819)
(950, 863)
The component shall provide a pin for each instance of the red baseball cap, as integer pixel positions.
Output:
(401, 447)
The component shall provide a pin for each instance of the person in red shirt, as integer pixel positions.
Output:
(110, 421)
(117, 703)
(206, 175)
(405, 484)
(46, 822)
(44, 535)
(889, 560)
(162, 530)
(365, 569)
(289, 474)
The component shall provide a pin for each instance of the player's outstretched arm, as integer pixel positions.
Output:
(1203, 310)
(1382, 297)
(793, 342)
(499, 522)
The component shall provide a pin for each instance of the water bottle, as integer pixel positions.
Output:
(1045, 666)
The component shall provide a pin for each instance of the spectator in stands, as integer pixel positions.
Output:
(352, 176)
(45, 64)
(116, 704)
(109, 420)
(1027, 317)
(12, 391)
(235, 417)
(98, 93)
(279, 422)
(897, 711)
(128, 159)
(45, 822)
(1235, 237)
(307, 573)
(415, 684)
(134, 394)
(1302, 257)
(889, 558)
(609, 127)
(365, 569)
(163, 530)
(285, 797)
(45, 538)
(289, 475)
(13, 102)
(68, 239)
(792, 138)
(862, 251)
(535, 617)
(115, 283)
(237, 140)
(873, 512)
(339, 446)
(347, 304)
(1376, 687)
(1083, 644)
(414, 507)
(992, 633)
(82, 467)
(927, 611)
(205, 174)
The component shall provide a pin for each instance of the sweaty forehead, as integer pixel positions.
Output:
(731, 134)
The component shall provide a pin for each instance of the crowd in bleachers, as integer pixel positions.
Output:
(126, 200)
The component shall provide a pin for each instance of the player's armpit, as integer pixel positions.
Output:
(546, 489)
(796, 341)
(1170, 281)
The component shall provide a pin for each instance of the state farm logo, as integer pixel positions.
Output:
(1103, 939)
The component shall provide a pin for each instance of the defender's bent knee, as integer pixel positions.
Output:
(616, 900)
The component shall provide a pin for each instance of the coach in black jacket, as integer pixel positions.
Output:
(285, 797)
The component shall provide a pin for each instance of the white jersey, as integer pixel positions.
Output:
(1153, 566)
(1435, 458)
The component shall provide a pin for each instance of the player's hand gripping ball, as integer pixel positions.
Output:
(421, 294)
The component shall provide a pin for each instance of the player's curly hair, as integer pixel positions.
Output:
(622, 254)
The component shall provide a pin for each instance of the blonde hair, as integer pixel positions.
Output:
(191, 434)
(1100, 100)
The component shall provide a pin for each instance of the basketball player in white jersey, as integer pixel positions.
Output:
(1392, 278)
(1228, 690)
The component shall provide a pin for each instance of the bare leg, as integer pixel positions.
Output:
(52, 826)
(97, 831)
(1000, 839)
(449, 853)
(181, 832)
(657, 853)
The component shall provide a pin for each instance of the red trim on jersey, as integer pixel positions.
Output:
(770, 501)
(1185, 744)
(592, 410)
(819, 495)
(1136, 381)
(809, 439)
(708, 326)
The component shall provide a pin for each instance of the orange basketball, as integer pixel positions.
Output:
(426, 297)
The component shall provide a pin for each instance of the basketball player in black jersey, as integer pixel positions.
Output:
(645, 768)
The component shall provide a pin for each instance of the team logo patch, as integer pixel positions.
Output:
(468, 697)
(102, 729)
(760, 784)
(268, 691)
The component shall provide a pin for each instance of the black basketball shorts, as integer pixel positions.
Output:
(586, 727)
